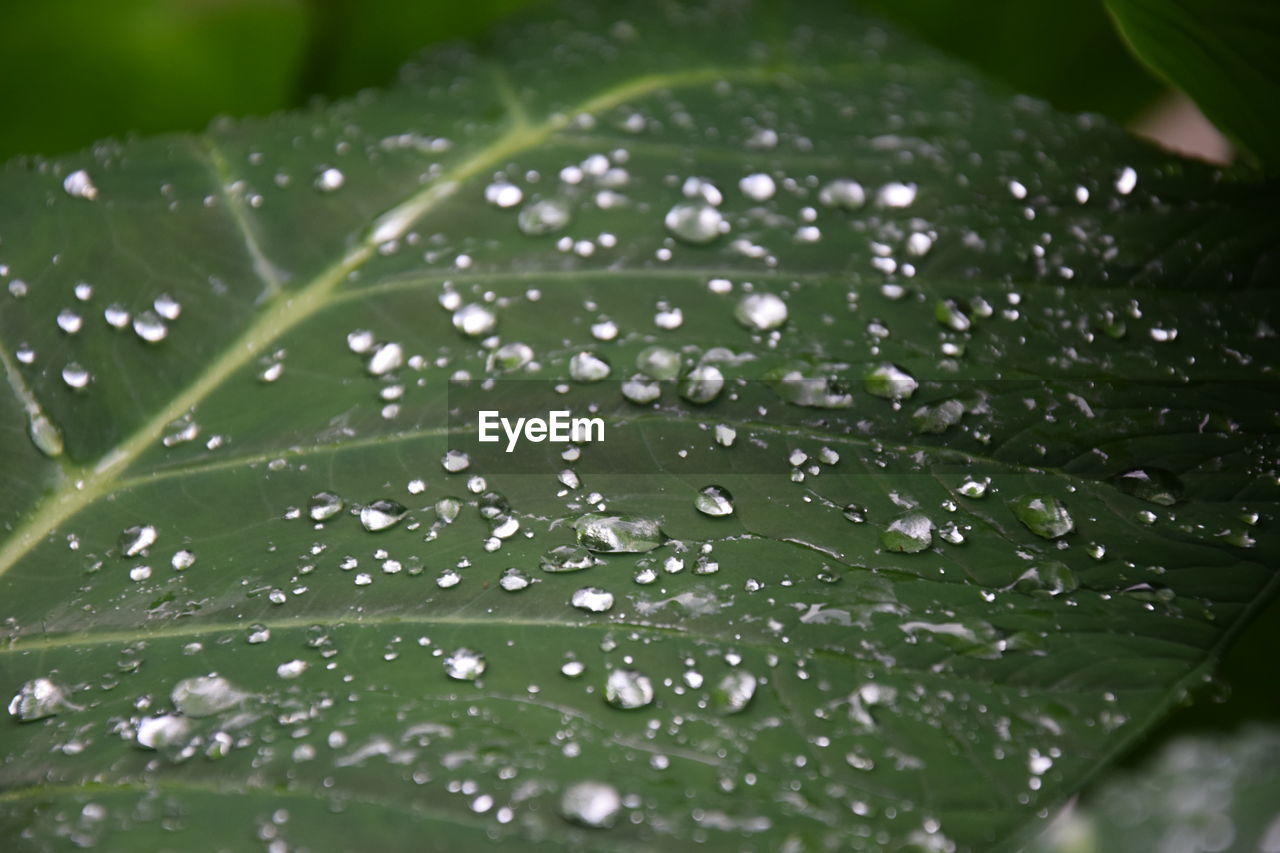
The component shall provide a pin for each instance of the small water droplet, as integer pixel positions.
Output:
(76, 376)
(1155, 485)
(544, 217)
(565, 558)
(455, 461)
(588, 367)
(890, 382)
(734, 692)
(514, 580)
(474, 320)
(329, 180)
(137, 539)
(702, 384)
(503, 194)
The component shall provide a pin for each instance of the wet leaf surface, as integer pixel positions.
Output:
(979, 397)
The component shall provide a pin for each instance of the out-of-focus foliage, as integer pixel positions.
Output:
(74, 71)
(1197, 794)
(1225, 55)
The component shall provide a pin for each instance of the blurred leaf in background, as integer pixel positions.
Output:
(74, 71)
(1225, 54)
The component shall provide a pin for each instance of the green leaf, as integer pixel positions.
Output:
(1226, 56)
(255, 591)
(1214, 792)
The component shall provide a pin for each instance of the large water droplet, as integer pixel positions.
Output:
(544, 217)
(695, 222)
(385, 358)
(758, 187)
(628, 689)
(843, 193)
(163, 731)
(702, 384)
(714, 501)
(659, 362)
(37, 699)
(1049, 578)
(761, 311)
(205, 695)
(381, 514)
(324, 505)
(734, 692)
(464, 665)
(1156, 485)
(1043, 515)
(514, 580)
(890, 382)
(78, 184)
(588, 367)
(474, 320)
(136, 539)
(908, 534)
(618, 534)
(565, 558)
(593, 599)
(591, 804)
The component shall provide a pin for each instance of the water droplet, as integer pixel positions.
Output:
(948, 313)
(167, 307)
(45, 435)
(890, 382)
(593, 599)
(136, 539)
(641, 390)
(163, 731)
(455, 461)
(761, 312)
(588, 367)
(514, 580)
(386, 358)
(734, 692)
(1127, 180)
(908, 534)
(591, 804)
(325, 505)
(1049, 578)
(329, 180)
(381, 514)
(76, 376)
(503, 194)
(205, 695)
(182, 560)
(702, 384)
(565, 558)
(148, 326)
(812, 386)
(855, 513)
(292, 668)
(714, 501)
(618, 534)
(628, 689)
(474, 320)
(257, 633)
(695, 222)
(758, 187)
(896, 194)
(512, 356)
(843, 193)
(464, 665)
(37, 699)
(573, 668)
(1043, 515)
(78, 184)
(974, 487)
(69, 321)
(544, 217)
(659, 363)
(116, 316)
(1155, 485)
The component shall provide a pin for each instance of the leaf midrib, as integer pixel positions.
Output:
(85, 486)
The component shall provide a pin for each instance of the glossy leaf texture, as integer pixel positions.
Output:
(985, 393)
(1224, 55)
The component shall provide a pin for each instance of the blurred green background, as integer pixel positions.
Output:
(75, 71)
